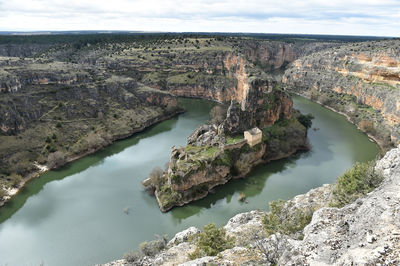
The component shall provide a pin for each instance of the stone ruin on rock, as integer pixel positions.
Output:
(253, 136)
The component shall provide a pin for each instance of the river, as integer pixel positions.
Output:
(94, 210)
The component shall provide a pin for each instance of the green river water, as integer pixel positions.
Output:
(75, 215)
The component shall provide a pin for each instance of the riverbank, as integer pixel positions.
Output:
(380, 144)
(41, 169)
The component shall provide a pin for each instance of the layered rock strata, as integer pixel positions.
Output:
(361, 80)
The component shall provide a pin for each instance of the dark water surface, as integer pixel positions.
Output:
(94, 210)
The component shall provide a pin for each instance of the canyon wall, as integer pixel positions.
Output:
(368, 73)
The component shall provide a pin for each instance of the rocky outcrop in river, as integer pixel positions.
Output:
(217, 153)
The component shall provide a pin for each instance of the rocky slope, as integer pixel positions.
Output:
(366, 232)
(361, 80)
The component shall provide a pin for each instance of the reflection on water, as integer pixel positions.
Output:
(78, 215)
(81, 165)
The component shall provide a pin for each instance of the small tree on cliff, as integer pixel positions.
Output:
(306, 120)
(218, 114)
(156, 177)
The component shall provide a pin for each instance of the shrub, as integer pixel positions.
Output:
(56, 159)
(279, 219)
(355, 183)
(15, 180)
(211, 241)
(153, 247)
(156, 177)
(306, 120)
(3, 193)
(22, 167)
(367, 126)
(133, 256)
(218, 114)
(94, 141)
(324, 99)
(58, 125)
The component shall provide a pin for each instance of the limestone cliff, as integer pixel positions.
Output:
(351, 78)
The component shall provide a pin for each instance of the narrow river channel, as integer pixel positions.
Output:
(94, 210)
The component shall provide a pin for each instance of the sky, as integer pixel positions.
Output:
(344, 17)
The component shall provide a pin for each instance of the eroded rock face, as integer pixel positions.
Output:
(83, 101)
(262, 109)
(369, 72)
(366, 232)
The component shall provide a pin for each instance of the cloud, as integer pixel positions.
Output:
(359, 17)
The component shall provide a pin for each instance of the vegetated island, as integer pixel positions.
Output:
(259, 125)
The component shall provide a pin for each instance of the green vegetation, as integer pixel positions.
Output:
(167, 196)
(355, 183)
(306, 120)
(211, 241)
(224, 158)
(2, 193)
(284, 220)
(201, 152)
(150, 248)
(282, 128)
(153, 247)
(233, 139)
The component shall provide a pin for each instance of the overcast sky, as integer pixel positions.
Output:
(347, 17)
